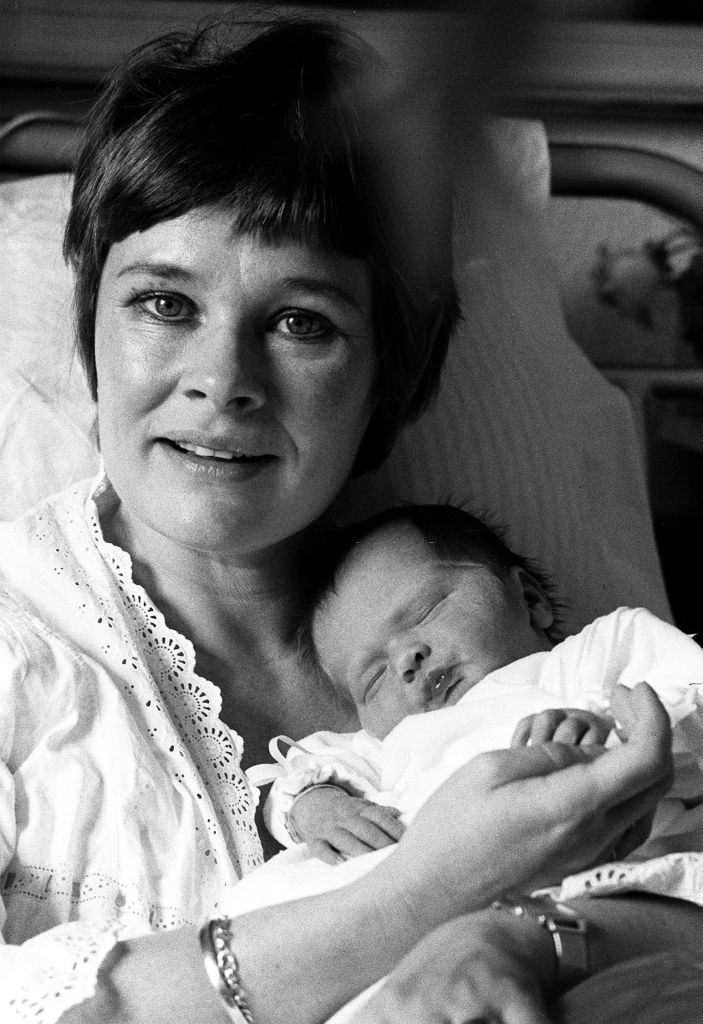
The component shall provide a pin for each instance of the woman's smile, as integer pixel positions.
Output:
(216, 460)
(235, 380)
(233, 449)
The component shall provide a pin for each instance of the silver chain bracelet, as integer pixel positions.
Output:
(222, 968)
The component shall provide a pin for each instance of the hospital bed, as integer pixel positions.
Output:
(525, 426)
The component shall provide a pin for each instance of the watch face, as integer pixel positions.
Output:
(569, 933)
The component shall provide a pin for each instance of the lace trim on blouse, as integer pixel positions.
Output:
(193, 702)
(676, 875)
(57, 969)
(66, 964)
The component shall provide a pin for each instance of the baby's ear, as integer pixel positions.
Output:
(538, 604)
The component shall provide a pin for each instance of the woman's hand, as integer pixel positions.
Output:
(491, 967)
(337, 825)
(482, 966)
(526, 817)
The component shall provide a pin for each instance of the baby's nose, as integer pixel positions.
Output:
(410, 658)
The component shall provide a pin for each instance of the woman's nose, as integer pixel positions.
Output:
(226, 366)
(408, 659)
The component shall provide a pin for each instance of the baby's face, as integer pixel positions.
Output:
(405, 633)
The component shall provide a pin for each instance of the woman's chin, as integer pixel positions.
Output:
(224, 508)
(225, 527)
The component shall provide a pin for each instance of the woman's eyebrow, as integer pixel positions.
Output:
(315, 285)
(171, 271)
(325, 287)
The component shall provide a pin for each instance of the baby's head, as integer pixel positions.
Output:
(420, 603)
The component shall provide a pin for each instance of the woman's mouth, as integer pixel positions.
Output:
(218, 458)
(213, 453)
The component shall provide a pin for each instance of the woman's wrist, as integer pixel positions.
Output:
(525, 941)
(424, 889)
(222, 968)
(569, 933)
(638, 924)
(323, 933)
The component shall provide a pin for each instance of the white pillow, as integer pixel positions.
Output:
(46, 415)
(524, 428)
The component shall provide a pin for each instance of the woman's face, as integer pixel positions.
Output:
(235, 380)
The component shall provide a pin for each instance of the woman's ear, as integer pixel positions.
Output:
(537, 602)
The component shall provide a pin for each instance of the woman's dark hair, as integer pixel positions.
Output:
(451, 533)
(283, 131)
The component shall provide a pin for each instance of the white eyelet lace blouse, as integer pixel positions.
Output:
(123, 806)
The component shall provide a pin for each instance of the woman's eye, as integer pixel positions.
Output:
(174, 308)
(304, 325)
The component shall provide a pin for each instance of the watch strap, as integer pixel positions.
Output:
(568, 930)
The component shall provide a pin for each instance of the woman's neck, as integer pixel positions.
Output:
(219, 600)
(241, 614)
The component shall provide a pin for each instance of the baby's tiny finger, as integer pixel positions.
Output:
(352, 841)
(374, 836)
(324, 851)
(522, 732)
(545, 725)
(388, 823)
(571, 731)
(596, 734)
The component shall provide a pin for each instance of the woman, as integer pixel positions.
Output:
(255, 329)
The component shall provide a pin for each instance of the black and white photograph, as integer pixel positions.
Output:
(351, 512)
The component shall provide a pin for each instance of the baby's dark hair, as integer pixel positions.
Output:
(451, 533)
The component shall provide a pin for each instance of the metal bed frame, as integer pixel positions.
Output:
(43, 142)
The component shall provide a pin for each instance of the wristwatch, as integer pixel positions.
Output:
(569, 933)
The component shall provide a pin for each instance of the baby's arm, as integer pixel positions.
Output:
(326, 782)
(337, 825)
(572, 726)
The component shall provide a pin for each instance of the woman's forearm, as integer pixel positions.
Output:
(321, 952)
(299, 962)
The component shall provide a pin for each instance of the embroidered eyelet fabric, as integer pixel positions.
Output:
(123, 805)
(676, 875)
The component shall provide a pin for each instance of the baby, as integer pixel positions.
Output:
(444, 639)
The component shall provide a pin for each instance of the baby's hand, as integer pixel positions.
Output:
(337, 825)
(562, 725)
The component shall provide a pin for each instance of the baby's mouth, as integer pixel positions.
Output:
(439, 684)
